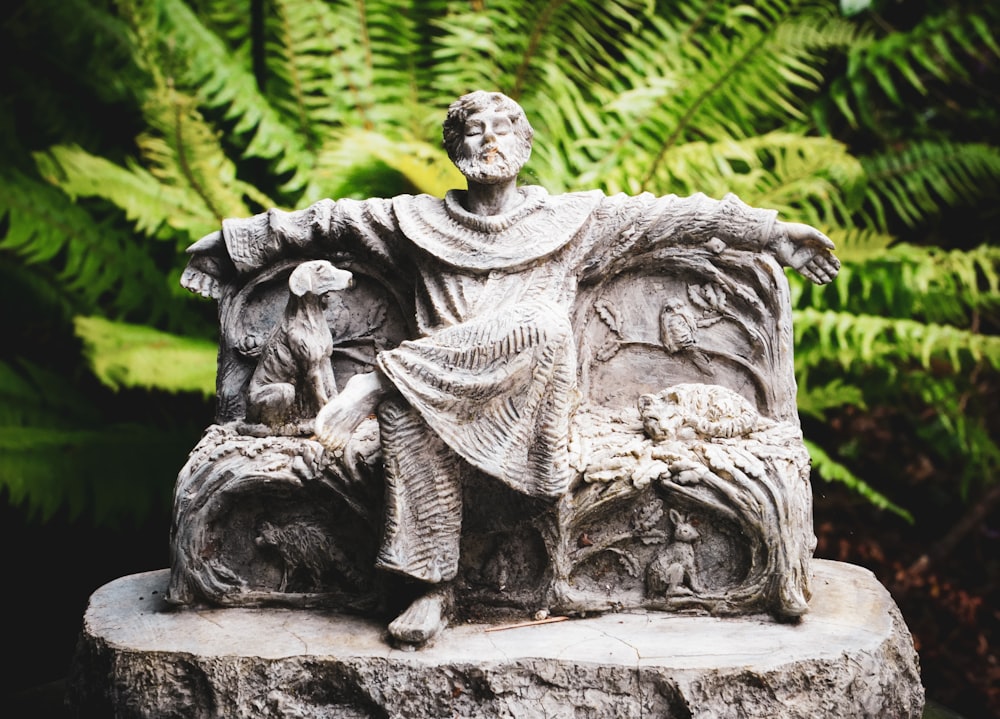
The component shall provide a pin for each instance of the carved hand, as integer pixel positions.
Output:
(204, 269)
(808, 251)
(340, 416)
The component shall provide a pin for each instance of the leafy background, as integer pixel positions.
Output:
(130, 128)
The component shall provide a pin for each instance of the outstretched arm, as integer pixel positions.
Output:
(245, 245)
(807, 250)
(632, 229)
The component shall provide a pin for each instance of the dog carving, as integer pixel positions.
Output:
(294, 377)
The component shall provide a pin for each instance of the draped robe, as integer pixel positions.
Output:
(490, 380)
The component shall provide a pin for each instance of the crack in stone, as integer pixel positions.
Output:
(206, 617)
(638, 654)
(496, 647)
(305, 644)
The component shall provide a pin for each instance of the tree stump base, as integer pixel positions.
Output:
(850, 656)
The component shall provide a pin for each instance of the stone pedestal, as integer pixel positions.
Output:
(851, 656)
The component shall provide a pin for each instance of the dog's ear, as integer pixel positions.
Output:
(301, 280)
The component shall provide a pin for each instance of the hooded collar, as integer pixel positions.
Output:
(534, 229)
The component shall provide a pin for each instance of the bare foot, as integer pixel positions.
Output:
(423, 619)
(341, 415)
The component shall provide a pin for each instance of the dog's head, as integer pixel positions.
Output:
(318, 277)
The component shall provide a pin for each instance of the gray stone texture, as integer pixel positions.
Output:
(850, 656)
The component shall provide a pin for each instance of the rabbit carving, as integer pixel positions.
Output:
(673, 570)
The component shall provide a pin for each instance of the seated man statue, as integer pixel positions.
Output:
(490, 377)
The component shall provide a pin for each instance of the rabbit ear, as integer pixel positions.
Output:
(676, 517)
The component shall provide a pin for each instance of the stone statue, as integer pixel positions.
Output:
(294, 377)
(570, 403)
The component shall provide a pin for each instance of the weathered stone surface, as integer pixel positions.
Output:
(850, 656)
(517, 399)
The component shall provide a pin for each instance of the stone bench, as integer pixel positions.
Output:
(693, 484)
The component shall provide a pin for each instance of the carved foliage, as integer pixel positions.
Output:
(735, 488)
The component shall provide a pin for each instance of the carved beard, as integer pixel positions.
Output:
(492, 166)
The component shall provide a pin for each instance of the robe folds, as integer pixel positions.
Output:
(491, 375)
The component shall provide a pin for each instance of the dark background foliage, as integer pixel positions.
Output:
(904, 439)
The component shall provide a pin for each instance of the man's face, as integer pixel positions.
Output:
(491, 151)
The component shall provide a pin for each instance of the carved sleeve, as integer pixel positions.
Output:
(365, 227)
(627, 227)
(699, 219)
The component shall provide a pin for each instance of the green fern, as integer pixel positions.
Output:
(920, 178)
(833, 471)
(58, 451)
(319, 67)
(743, 76)
(341, 98)
(96, 264)
(959, 427)
(183, 54)
(817, 401)
(156, 208)
(903, 280)
(857, 341)
(938, 49)
(122, 355)
(353, 161)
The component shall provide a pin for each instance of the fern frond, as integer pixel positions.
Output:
(817, 401)
(920, 179)
(319, 66)
(922, 283)
(56, 451)
(230, 20)
(854, 246)
(183, 151)
(939, 285)
(95, 263)
(959, 428)
(424, 167)
(191, 58)
(401, 57)
(859, 341)
(806, 179)
(937, 50)
(534, 51)
(734, 83)
(832, 471)
(564, 115)
(542, 30)
(466, 49)
(156, 209)
(123, 355)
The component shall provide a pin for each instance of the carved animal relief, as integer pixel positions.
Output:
(573, 403)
